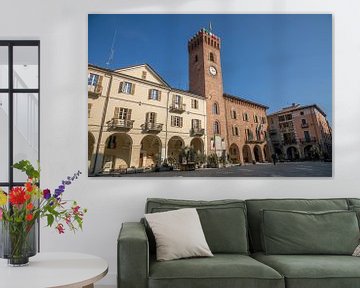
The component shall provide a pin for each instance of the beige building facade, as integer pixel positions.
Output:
(137, 120)
(300, 133)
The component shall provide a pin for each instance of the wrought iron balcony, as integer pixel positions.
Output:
(177, 108)
(116, 123)
(308, 140)
(304, 125)
(152, 127)
(197, 131)
(289, 142)
(255, 141)
(95, 91)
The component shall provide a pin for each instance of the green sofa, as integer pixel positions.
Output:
(234, 230)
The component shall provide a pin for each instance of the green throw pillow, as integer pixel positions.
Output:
(299, 232)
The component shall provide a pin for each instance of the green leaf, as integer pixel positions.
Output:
(50, 219)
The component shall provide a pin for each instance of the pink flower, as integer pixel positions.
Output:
(60, 228)
(1, 214)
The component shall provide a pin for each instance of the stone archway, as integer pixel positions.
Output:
(258, 154)
(307, 152)
(292, 153)
(91, 147)
(234, 154)
(266, 153)
(247, 157)
(198, 145)
(150, 152)
(175, 145)
(117, 154)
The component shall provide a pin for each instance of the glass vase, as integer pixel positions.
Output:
(18, 242)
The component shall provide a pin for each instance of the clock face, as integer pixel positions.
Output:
(212, 70)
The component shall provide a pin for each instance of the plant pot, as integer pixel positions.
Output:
(18, 242)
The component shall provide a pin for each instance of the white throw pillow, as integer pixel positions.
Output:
(178, 234)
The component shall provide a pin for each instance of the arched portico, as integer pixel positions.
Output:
(234, 153)
(150, 151)
(117, 153)
(247, 156)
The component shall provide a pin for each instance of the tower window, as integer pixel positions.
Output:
(245, 117)
(235, 130)
(215, 109)
(216, 127)
(233, 113)
(211, 57)
(196, 58)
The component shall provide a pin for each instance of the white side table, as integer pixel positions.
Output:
(50, 270)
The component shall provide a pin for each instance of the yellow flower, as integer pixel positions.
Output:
(3, 198)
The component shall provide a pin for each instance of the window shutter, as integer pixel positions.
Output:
(128, 116)
(121, 87)
(181, 122)
(147, 117)
(132, 89)
(159, 95)
(100, 80)
(193, 123)
(116, 112)
(154, 118)
(172, 120)
(149, 96)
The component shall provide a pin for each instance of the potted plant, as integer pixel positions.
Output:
(21, 208)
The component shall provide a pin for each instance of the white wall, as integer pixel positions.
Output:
(61, 25)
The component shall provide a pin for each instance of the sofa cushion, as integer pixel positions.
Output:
(223, 221)
(178, 234)
(222, 270)
(254, 217)
(313, 271)
(297, 232)
(353, 201)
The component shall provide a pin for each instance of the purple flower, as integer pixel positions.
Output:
(46, 194)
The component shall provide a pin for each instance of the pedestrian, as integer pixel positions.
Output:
(274, 158)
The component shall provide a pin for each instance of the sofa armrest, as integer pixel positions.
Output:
(133, 256)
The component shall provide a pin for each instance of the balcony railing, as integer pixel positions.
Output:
(197, 131)
(116, 123)
(308, 140)
(95, 91)
(304, 125)
(177, 108)
(289, 142)
(151, 127)
(254, 141)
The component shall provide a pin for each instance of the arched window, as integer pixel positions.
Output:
(235, 130)
(233, 113)
(216, 127)
(211, 57)
(215, 108)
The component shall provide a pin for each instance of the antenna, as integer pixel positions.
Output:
(210, 27)
(112, 50)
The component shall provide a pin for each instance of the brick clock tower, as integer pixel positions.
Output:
(206, 80)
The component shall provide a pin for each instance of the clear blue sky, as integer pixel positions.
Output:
(275, 60)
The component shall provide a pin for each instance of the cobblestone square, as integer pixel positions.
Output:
(285, 169)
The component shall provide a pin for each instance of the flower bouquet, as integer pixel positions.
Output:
(21, 208)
